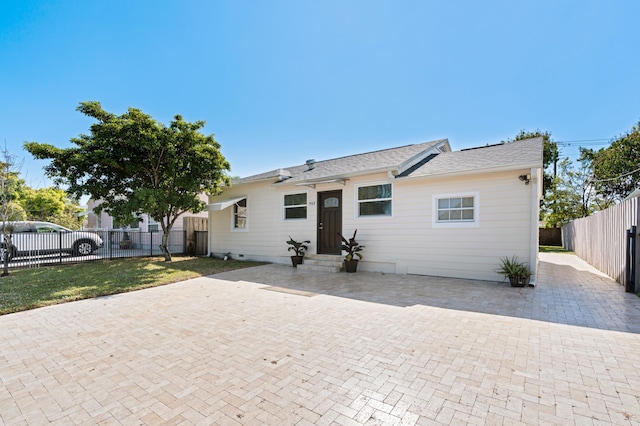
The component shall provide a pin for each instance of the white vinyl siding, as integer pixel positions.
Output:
(374, 200)
(295, 206)
(267, 232)
(407, 241)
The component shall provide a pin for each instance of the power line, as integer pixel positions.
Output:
(583, 143)
(586, 140)
(594, 142)
(617, 177)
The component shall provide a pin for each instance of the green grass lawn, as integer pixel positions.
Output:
(553, 249)
(32, 288)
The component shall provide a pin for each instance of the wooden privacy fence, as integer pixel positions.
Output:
(550, 236)
(196, 235)
(607, 240)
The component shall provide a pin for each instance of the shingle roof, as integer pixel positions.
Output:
(413, 161)
(350, 165)
(514, 155)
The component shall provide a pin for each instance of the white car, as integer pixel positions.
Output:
(36, 238)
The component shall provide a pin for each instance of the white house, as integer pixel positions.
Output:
(141, 230)
(419, 209)
(103, 221)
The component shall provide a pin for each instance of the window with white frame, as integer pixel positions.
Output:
(129, 223)
(295, 206)
(455, 210)
(240, 214)
(152, 225)
(375, 200)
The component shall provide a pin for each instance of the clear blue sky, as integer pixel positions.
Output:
(279, 82)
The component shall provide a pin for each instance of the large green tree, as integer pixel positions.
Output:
(10, 188)
(617, 168)
(136, 165)
(574, 195)
(51, 205)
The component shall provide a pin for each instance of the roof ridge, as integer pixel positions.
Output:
(373, 152)
(499, 144)
(386, 158)
(484, 146)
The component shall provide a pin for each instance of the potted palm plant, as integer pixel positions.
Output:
(299, 248)
(353, 249)
(517, 272)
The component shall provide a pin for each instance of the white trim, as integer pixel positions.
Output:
(223, 204)
(434, 149)
(233, 216)
(312, 184)
(467, 172)
(284, 208)
(357, 201)
(536, 195)
(475, 223)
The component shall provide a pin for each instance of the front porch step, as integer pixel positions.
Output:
(321, 263)
(318, 268)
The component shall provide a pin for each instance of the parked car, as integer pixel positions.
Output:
(36, 238)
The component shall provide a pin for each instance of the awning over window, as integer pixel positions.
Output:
(223, 204)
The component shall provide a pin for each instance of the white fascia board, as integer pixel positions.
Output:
(407, 164)
(334, 178)
(223, 204)
(476, 171)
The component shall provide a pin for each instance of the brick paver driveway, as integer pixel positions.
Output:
(269, 345)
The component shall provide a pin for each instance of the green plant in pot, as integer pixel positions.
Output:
(517, 272)
(125, 242)
(299, 248)
(353, 249)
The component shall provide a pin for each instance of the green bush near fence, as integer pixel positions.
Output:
(32, 288)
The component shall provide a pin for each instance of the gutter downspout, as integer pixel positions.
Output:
(536, 195)
(209, 229)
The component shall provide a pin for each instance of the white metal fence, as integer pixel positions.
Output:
(34, 249)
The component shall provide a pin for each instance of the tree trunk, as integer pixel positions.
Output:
(8, 248)
(163, 246)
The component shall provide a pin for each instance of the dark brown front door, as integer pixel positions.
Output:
(329, 222)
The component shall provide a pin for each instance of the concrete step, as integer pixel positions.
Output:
(305, 267)
(321, 263)
(324, 259)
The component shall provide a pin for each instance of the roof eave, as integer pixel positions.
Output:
(477, 171)
(342, 176)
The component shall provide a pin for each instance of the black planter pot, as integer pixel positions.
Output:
(296, 260)
(351, 266)
(519, 281)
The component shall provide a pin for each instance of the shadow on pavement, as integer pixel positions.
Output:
(567, 292)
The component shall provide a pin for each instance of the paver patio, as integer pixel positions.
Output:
(270, 345)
